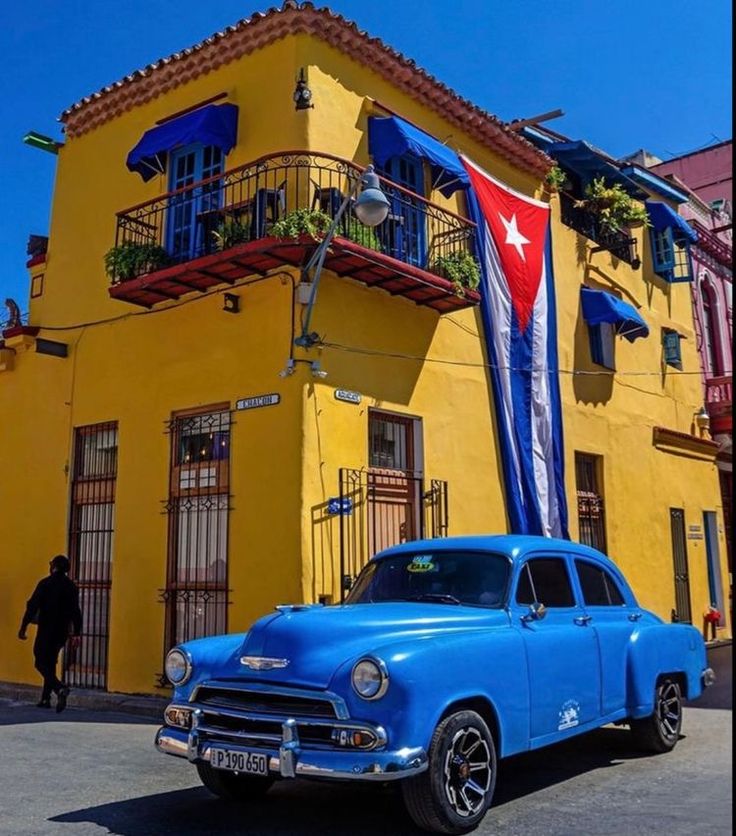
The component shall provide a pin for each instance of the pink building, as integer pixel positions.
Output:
(708, 177)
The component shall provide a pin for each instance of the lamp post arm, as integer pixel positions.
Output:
(316, 261)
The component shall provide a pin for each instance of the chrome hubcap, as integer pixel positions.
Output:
(467, 771)
(669, 709)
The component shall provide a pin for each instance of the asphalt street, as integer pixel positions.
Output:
(85, 772)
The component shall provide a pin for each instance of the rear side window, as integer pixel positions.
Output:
(545, 579)
(599, 588)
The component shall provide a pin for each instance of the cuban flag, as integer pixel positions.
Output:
(518, 309)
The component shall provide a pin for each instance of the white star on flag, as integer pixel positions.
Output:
(513, 236)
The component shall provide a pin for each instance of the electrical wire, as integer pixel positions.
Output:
(394, 355)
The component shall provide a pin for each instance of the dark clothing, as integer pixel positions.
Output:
(46, 655)
(54, 606)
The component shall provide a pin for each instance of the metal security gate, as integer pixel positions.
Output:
(91, 528)
(196, 594)
(591, 510)
(382, 508)
(682, 611)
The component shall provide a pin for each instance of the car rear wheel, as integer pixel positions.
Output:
(232, 786)
(456, 790)
(661, 730)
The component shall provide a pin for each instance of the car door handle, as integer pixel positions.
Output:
(582, 620)
(634, 616)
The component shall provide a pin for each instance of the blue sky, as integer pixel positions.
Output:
(637, 73)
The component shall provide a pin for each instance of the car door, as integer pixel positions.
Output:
(561, 649)
(613, 619)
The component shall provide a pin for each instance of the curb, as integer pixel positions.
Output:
(139, 704)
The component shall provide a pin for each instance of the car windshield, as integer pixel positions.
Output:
(442, 577)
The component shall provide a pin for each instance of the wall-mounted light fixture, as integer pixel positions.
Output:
(43, 143)
(371, 209)
(702, 421)
(231, 302)
(317, 370)
(302, 94)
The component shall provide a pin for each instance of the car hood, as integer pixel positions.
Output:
(312, 642)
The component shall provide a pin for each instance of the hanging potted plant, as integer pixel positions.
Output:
(614, 208)
(556, 179)
(131, 259)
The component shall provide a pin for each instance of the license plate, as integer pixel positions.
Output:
(236, 760)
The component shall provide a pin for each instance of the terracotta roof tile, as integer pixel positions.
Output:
(263, 28)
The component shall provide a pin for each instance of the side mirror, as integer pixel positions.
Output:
(537, 612)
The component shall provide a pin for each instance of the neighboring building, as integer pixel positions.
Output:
(199, 468)
(707, 176)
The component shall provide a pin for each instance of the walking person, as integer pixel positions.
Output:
(54, 607)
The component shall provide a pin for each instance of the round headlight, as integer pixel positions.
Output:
(370, 679)
(178, 666)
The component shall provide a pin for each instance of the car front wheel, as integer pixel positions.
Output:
(661, 730)
(232, 786)
(456, 790)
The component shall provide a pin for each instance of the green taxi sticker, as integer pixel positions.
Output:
(421, 563)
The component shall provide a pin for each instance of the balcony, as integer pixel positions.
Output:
(619, 244)
(712, 244)
(220, 230)
(719, 403)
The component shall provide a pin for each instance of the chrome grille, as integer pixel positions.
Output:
(263, 702)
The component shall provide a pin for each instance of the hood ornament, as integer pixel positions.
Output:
(263, 663)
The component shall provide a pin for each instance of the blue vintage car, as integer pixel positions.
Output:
(446, 656)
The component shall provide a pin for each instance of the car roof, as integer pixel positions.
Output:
(514, 546)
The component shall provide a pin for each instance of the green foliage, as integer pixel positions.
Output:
(311, 222)
(230, 233)
(131, 259)
(460, 268)
(614, 207)
(361, 234)
(556, 178)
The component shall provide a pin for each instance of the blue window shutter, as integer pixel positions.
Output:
(602, 345)
(672, 349)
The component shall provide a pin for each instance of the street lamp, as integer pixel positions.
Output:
(371, 208)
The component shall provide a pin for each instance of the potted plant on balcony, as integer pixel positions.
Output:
(230, 233)
(130, 259)
(556, 179)
(299, 222)
(613, 207)
(460, 268)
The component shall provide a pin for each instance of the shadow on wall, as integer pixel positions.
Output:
(595, 384)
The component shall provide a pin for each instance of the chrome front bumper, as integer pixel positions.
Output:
(293, 761)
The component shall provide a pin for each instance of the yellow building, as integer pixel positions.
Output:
(162, 428)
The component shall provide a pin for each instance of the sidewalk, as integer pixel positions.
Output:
(143, 705)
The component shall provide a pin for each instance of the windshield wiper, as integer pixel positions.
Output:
(440, 597)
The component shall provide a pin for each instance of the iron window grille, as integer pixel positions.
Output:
(91, 530)
(198, 508)
(591, 508)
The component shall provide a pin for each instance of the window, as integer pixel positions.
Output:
(198, 509)
(671, 255)
(391, 441)
(404, 229)
(602, 344)
(545, 580)
(671, 348)
(710, 327)
(189, 221)
(599, 588)
(591, 512)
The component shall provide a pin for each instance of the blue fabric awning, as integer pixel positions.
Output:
(599, 306)
(663, 217)
(588, 163)
(391, 136)
(211, 125)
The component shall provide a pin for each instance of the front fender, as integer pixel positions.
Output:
(211, 657)
(660, 649)
(428, 675)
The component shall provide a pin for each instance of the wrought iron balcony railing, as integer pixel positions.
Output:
(242, 205)
(620, 244)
